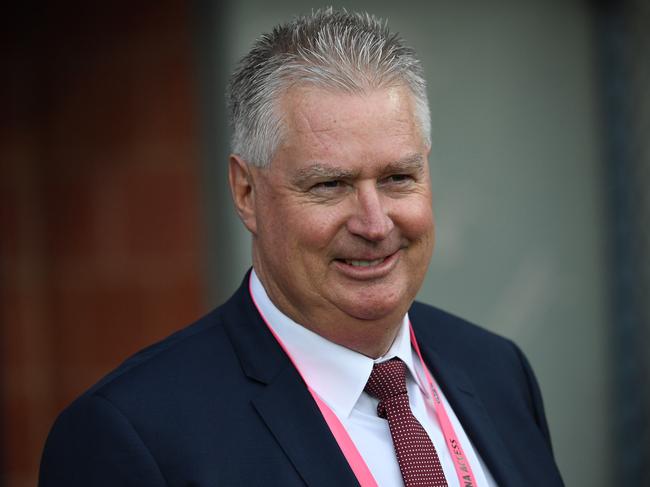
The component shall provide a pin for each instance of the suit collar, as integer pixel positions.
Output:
(259, 354)
(284, 404)
(472, 414)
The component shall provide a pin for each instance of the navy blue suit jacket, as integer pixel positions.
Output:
(219, 404)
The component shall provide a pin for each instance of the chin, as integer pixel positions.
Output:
(372, 309)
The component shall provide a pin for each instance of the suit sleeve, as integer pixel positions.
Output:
(93, 444)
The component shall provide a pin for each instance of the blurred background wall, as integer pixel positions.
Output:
(116, 225)
(102, 242)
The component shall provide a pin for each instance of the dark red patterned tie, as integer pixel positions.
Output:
(416, 455)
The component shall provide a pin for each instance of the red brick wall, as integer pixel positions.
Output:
(100, 248)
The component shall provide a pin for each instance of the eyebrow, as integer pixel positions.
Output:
(316, 170)
(410, 163)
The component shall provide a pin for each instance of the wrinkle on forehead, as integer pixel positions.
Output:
(377, 127)
(302, 117)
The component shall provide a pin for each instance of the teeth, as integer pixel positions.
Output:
(363, 263)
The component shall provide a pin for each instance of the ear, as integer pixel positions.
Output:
(242, 188)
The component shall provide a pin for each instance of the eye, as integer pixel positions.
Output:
(327, 185)
(398, 179)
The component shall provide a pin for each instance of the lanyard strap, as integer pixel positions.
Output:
(463, 469)
(347, 446)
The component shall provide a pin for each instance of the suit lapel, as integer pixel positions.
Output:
(294, 419)
(285, 405)
(471, 413)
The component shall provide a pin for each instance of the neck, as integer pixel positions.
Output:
(370, 339)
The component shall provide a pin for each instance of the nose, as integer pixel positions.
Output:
(370, 219)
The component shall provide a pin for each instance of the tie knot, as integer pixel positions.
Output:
(387, 380)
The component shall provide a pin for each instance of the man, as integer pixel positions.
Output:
(320, 370)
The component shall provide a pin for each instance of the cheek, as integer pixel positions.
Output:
(314, 228)
(415, 219)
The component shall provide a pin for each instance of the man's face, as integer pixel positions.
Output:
(343, 227)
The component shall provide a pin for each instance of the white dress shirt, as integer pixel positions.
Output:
(338, 375)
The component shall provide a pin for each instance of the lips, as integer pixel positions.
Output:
(369, 267)
(364, 263)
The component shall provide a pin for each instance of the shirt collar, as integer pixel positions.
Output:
(337, 374)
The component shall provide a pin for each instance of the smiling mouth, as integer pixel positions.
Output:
(364, 263)
(368, 269)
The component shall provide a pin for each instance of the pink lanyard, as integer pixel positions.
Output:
(347, 446)
(463, 469)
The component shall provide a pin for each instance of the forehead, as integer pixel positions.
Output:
(325, 126)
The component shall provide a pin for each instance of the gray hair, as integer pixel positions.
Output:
(336, 50)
